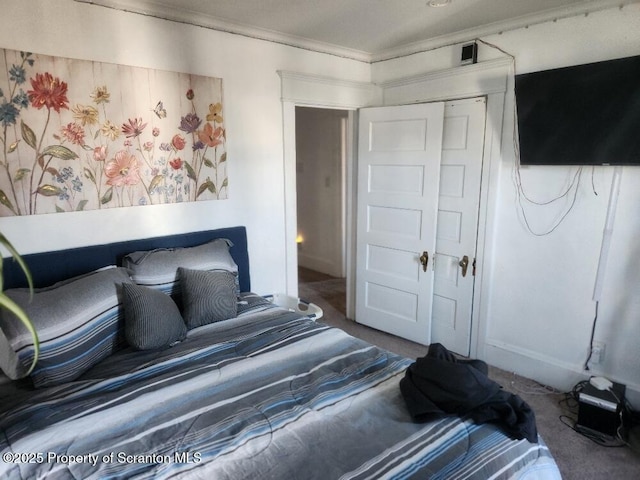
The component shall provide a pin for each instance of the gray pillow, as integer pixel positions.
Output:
(158, 269)
(79, 322)
(207, 297)
(151, 318)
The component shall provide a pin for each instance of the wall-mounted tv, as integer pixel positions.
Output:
(581, 115)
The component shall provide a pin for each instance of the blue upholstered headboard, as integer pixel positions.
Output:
(50, 267)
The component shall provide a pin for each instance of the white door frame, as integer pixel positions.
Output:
(290, 196)
(301, 90)
(488, 79)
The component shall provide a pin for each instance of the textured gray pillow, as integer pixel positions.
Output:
(158, 269)
(207, 297)
(151, 318)
(78, 321)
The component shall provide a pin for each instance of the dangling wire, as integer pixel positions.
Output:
(521, 195)
(574, 185)
(593, 332)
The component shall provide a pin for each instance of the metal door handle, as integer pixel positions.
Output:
(464, 263)
(424, 260)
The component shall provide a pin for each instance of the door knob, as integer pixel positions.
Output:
(424, 260)
(464, 263)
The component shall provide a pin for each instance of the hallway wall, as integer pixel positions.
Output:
(320, 195)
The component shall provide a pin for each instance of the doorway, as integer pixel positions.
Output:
(490, 80)
(321, 192)
(321, 156)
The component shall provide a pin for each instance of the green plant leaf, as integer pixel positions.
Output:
(223, 158)
(48, 190)
(89, 174)
(206, 186)
(208, 162)
(9, 304)
(4, 200)
(81, 205)
(4, 241)
(191, 173)
(106, 198)
(13, 307)
(60, 151)
(13, 146)
(27, 135)
(20, 174)
(157, 180)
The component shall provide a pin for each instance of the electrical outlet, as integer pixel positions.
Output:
(597, 352)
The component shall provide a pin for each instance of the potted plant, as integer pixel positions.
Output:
(9, 304)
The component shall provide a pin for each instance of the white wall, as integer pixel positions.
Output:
(538, 308)
(253, 117)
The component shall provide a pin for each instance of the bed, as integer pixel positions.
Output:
(260, 392)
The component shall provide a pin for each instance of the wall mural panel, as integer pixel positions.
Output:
(81, 135)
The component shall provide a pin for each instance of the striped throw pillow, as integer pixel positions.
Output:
(158, 269)
(152, 319)
(207, 297)
(79, 322)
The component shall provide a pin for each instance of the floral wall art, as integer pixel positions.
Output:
(80, 135)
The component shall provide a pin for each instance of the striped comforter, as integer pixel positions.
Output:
(268, 395)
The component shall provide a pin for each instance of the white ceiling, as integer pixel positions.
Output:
(366, 30)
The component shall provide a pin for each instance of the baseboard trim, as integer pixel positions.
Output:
(546, 370)
(318, 264)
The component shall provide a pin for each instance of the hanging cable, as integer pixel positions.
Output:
(593, 331)
(521, 195)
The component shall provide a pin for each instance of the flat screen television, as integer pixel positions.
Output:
(581, 115)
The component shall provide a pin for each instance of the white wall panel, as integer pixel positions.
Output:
(444, 312)
(455, 137)
(398, 136)
(392, 179)
(385, 220)
(452, 180)
(398, 263)
(400, 304)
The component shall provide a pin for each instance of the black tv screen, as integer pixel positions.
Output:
(582, 115)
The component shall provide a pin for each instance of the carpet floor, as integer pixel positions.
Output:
(578, 457)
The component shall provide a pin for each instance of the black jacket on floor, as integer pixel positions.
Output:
(440, 384)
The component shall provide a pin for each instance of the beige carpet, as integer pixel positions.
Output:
(578, 457)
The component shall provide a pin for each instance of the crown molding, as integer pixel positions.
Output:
(479, 79)
(197, 19)
(309, 89)
(152, 9)
(447, 73)
(554, 14)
